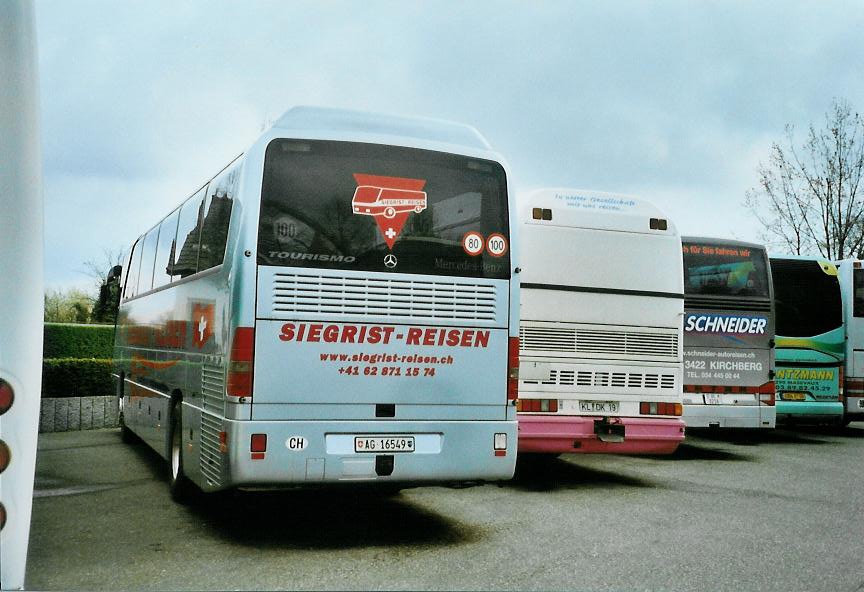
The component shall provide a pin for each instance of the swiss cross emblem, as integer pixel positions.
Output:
(202, 322)
(390, 200)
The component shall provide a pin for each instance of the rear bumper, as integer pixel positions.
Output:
(828, 412)
(730, 416)
(560, 434)
(307, 452)
(855, 407)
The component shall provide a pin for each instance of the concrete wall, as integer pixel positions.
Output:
(78, 413)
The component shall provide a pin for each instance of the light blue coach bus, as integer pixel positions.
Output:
(338, 304)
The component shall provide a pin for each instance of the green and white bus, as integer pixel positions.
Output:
(810, 340)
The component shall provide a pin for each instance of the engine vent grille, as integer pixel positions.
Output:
(594, 341)
(333, 295)
(211, 456)
(213, 389)
(616, 380)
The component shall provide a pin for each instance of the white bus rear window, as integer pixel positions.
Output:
(718, 270)
(369, 207)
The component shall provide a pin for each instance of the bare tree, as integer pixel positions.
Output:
(99, 269)
(808, 198)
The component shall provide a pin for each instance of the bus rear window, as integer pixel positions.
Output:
(858, 293)
(369, 207)
(720, 270)
(807, 300)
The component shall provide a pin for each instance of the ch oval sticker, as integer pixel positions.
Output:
(296, 443)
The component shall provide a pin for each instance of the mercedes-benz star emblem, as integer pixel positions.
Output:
(390, 261)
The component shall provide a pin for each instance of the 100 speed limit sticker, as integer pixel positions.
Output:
(474, 243)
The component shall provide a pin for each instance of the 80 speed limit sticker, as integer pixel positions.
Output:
(473, 243)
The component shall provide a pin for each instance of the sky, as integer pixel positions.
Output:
(676, 102)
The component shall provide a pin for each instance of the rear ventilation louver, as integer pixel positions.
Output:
(334, 296)
(718, 303)
(213, 388)
(592, 341)
(617, 380)
(211, 456)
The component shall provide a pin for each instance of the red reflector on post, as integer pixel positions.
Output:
(512, 368)
(241, 363)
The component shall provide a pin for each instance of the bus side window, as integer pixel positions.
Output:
(858, 292)
(217, 215)
(131, 288)
(165, 250)
(148, 258)
(189, 235)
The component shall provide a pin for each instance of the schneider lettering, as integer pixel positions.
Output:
(723, 324)
(383, 334)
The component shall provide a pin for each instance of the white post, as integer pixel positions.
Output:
(21, 281)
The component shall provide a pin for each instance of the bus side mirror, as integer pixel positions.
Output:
(114, 274)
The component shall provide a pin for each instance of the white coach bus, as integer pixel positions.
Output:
(728, 335)
(601, 325)
(850, 272)
(271, 332)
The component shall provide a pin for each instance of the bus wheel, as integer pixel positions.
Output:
(182, 490)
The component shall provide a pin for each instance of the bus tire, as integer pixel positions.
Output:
(182, 489)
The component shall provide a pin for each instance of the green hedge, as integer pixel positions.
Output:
(66, 340)
(72, 377)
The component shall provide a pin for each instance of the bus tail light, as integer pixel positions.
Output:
(7, 395)
(513, 369)
(241, 363)
(659, 408)
(499, 444)
(767, 394)
(853, 385)
(223, 442)
(258, 446)
(537, 405)
(5, 456)
(840, 381)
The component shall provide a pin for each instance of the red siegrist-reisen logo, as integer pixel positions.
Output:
(390, 200)
(202, 322)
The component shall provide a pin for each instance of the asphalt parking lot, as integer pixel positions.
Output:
(782, 510)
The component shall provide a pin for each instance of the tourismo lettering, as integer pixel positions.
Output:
(383, 334)
(312, 257)
(725, 324)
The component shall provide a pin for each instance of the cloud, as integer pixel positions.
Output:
(143, 101)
